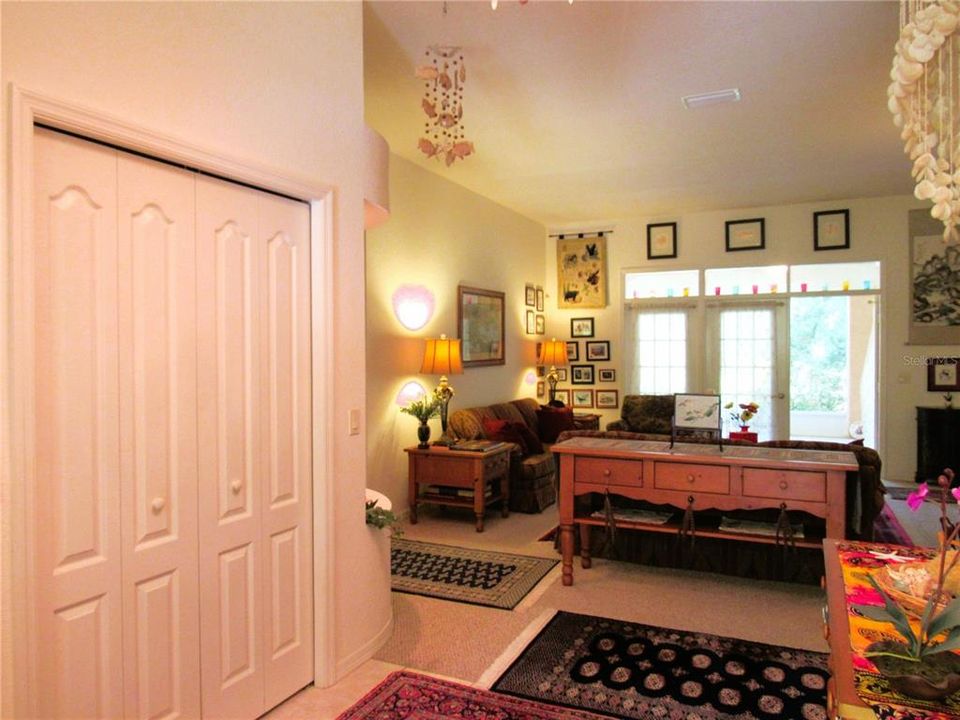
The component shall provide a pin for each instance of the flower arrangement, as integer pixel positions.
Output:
(745, 414)
(423, 409)
(939, 627)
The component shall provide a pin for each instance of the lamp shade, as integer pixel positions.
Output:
(441, 356)
(553, 352)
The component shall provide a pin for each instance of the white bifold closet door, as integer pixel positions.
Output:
(168, 439)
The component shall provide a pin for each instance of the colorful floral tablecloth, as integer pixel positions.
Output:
(857, 560)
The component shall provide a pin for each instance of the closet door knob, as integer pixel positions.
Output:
(236, 486)
(158, 504)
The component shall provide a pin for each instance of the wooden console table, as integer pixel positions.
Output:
(700, 477)
(463, 470)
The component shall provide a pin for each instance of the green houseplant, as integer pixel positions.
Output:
(423, 409)
(378, 517)
(921, 663)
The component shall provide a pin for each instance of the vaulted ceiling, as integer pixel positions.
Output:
(575, 110)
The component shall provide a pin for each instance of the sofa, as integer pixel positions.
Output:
(532, 476)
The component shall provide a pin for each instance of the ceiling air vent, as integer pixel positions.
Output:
(711, 98)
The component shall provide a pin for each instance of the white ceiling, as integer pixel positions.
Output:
(576, 116)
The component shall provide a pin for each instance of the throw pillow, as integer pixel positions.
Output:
(505, 431)
(530, 439)
(553, 421)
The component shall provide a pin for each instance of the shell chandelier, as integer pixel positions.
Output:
(924, 98)
(444, 76)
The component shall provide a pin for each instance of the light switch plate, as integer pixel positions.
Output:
(353, 422)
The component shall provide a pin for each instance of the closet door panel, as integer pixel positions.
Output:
(71, 403)
(229, 434)
(286, 456)
(158, 401)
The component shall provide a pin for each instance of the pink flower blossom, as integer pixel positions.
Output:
(956, 494)
(915, 499)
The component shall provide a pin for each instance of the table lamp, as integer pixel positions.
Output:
(553, 353)
(441, 356)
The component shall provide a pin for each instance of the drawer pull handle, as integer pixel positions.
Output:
(690, 478)
(158, 504)
(236, 486)
(606, 473)
(783, 484)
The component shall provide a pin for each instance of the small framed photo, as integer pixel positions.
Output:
(540, 388)
(582, 398)
(581, 327)
(573, 351)
(530, 295)
(697, 412)
(831, 230)
(608, 399)
(581, 374)
(531, 324)
(539, 299)
(561, 374)
(541, 370)
(563, 396)
(943, 375)
(541, 325)
(607, 375)
(661, 241)
(745, 234)
(597, 350)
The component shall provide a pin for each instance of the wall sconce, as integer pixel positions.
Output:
(413, 305)
(410, 392)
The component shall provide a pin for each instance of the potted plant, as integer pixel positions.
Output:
(378, 517)
(423, 409)
(921, 664)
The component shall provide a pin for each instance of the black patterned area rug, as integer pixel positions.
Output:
(629, 670)
(478, 577)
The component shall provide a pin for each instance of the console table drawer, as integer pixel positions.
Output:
(785, 484)
(605, 471)
(685, 476)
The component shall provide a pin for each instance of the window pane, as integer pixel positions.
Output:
(661, 353)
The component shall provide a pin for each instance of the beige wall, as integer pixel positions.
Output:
(279, 84)
(878, 232)
(440, 235)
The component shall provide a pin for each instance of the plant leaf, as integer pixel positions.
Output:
(897, 617)
(948, 619)
(952, 642)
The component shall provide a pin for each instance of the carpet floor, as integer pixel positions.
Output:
(630, 670)
(478, 577)
(410, 696)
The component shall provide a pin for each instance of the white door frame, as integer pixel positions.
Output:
(16, 496)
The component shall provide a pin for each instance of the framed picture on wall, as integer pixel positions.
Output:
(561, 374)
(661, 241)
(563, 396)
(582, 398)
(943, 375)
(581, 271)
(531, 324)
(581, 327)
(539, 299)
(609, 399)
(607, 375)
(530, 295)
(480, 326)
(540, 325)
(831, 230)
(745, 234)
(598, 350)
(540, 388)
(934, 306)
(581, 374)
(573, 350)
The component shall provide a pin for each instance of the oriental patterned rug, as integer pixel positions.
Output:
(629, 670)
(478, 577)
(408, 696)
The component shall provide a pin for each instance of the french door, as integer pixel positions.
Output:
(746, 346)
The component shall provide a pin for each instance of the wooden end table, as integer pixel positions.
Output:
(459, 470)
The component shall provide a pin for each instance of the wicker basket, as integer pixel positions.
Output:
(913, 605)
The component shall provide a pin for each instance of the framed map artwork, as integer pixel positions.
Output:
(480, 326)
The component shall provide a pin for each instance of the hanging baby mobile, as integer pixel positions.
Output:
(924, 98)
(444, 76)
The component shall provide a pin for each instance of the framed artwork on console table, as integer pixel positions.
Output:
(943, 375)
(696, 412)
(582, 398)
(480, 326)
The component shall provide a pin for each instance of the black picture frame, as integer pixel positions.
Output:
(943, 374)
(541, 325)
(581, 374)
(747, 234)
(561, 374)
(597, 350)
(573, 351)
(539, 304)
(606, 375)
(540, 388)
(661, 241)
(827, 233)
(481, 336)
(531, 326)
(581, 327)
(530, 295)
